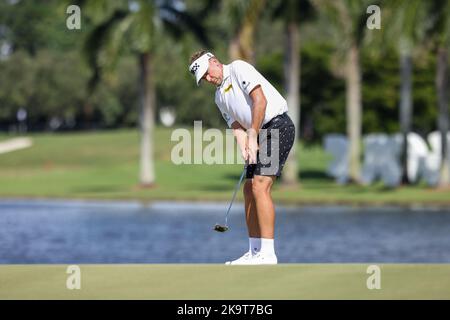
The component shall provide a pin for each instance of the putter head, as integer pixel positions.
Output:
(220, 228)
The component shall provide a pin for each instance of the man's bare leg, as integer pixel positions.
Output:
(251, 216)
(261, 189)
(252, 226)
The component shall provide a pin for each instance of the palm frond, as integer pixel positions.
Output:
(98, 10)
(96, 41)
(236, 11)
(209, 5)
(146, 19)
(179, 19)
(439, 26)
(293, 10)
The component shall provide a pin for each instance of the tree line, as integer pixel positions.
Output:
(130, 59)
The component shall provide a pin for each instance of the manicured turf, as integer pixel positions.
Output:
(288, 281)
(104, 165)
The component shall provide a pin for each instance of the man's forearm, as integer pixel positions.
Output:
(258, 114)
(241, 136)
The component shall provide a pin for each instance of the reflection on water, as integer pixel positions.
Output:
(37, 231)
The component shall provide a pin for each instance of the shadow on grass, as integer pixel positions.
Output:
(378, 187)
(227, 183)
(315, 175)
(98, 189)
(232, 177)
(219, 188)
(311, 179)
(303, 175)
(316, 179)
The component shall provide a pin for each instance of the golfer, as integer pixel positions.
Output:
(257, 113)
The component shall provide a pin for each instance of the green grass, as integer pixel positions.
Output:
(105, 165)
(217, 282)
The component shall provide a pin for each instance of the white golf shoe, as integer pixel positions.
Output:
(261, 258)
(254, 259)
(244, 260)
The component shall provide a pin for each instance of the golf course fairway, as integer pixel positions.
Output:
(218, 282)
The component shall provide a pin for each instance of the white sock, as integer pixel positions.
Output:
(267, 246)
(254, 245)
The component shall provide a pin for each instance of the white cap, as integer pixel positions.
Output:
(200, 66)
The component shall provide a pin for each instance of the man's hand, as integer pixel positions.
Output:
(252, 146)
(244, 150)
(241, 138)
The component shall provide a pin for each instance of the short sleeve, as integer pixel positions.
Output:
(247, 76)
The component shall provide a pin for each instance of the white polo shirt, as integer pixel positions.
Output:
(233, 95)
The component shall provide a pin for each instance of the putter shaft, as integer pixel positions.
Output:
(234, 194)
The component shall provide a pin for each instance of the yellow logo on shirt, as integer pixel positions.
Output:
(229, 87)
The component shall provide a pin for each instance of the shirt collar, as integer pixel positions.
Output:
(226, 74)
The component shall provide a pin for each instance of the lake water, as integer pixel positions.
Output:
(57, 231)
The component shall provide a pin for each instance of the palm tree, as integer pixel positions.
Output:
(244, 16)
(443, 123)
(346, 20)
(293, 14)
(440, 13)
(419, 22)
(405, 28)
(135, 25)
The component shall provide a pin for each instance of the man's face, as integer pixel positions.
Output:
(214, 75)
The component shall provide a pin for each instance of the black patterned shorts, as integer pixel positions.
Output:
(275, 140)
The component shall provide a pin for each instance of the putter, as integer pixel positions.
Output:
(218, 227)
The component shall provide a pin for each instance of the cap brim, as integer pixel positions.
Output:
(200, 73)
(200, 66)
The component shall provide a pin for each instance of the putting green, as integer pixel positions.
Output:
(216, 282)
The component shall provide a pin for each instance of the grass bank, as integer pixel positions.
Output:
(105, 165)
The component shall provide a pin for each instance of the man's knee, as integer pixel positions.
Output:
(261, 185)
